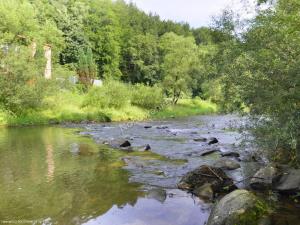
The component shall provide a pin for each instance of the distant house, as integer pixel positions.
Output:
(97, 83)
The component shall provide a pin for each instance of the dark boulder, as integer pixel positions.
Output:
(147, 147)
(125, 144)
(230, 154)
(204, 175)
(213, 140)
(120, 144)
(147, 127)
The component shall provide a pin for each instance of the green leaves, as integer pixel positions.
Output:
(179, 57)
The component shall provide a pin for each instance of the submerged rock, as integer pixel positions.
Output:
(204, 175)
(121, 144)
(200, 139)
(213, 140)
(162, 127)
(288, 181)
(263, 178)
(238, 207)
(230, 154)
(157, 194)
(227, 164)
(209, 151)
(204, 192)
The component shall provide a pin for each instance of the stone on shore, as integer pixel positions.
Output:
(263, 178)
(227, 164)
(288, 182)
(238, 207)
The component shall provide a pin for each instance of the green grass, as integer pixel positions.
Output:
(186, 107)
(67, 107)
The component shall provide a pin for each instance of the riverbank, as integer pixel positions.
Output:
(68, 108)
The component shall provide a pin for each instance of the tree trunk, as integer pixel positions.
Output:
(48, 68)
(33, 49)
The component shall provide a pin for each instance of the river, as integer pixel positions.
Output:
(65, 175)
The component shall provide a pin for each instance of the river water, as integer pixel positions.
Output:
(65, 175)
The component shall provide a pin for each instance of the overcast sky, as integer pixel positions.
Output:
(196, 12)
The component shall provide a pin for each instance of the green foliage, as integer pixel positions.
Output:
(262, 73)
(142, 60)
(21, 86)
(102, 28)
(147, 97)
(179, 58)
(86, 68)
(112, 94)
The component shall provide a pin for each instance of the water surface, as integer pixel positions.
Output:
(51, 175)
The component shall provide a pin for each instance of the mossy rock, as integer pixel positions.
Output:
(240, 207)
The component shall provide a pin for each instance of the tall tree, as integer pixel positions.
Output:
(180, 56)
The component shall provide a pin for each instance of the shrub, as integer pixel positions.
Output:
(147, 97)
(112, 94)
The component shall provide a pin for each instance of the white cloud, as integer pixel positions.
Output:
(196, 12)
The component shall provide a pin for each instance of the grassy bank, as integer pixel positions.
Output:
(67, 107)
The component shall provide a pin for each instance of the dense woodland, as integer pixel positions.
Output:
(145, 62)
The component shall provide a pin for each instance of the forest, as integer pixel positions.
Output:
(150, 68)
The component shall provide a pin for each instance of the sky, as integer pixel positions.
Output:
(196, 12)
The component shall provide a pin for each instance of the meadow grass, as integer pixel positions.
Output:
(67, 107)
(184, 108)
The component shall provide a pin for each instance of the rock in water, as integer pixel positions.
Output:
(213, 141)
(204, 192)
(147, 127)
(147, 147)
(237, 207)
(200, 139)
(219, 181)
(288, 182)
(162, 127)
(263, 178)
(157, 194)
(210, 151)
(121, 144)
(125, 144)
(227, 164)
(230, 154)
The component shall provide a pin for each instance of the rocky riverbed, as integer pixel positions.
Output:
(205, 156)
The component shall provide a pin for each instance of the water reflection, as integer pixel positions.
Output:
(82, 185)
(176, 209)
(52, 175)
(50, 163)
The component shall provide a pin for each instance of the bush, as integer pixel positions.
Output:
(112, 94)
(147, 97)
